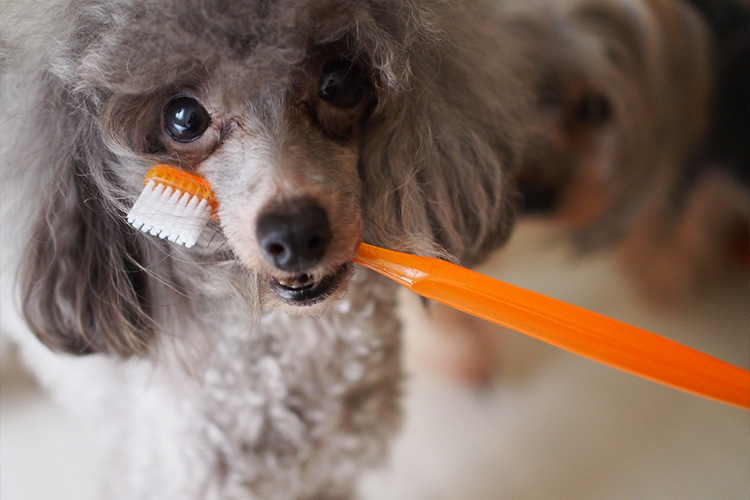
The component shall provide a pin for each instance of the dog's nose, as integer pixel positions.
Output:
(294, 238)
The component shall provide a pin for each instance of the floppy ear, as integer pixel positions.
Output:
(83, 286)
(426, 180)
(439, 154)
(83, 289)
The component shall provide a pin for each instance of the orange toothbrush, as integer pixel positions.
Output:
(564, 325)
(177, 205)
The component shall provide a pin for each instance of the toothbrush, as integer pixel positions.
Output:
(569, 327)
(174, 204)
(172, 195)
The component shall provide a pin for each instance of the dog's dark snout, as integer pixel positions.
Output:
(295, 237)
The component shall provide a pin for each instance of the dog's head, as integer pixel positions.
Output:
(319, 124)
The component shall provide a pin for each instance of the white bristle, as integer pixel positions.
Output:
(170, 214)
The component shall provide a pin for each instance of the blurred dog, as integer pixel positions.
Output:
(643, 152)
(648, 150)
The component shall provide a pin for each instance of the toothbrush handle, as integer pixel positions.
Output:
(566, 326)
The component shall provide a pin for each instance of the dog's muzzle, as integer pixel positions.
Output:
(294, 238)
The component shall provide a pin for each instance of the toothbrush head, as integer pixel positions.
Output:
(174, 205)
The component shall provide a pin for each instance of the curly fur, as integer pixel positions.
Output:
(206, 383)
(209, 384)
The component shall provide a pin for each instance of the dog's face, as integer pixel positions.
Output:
(319, 124)
(275, 125)
(287, 179)
(283, 162)
(277, 113)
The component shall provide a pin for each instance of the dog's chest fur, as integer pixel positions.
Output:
(288, 407)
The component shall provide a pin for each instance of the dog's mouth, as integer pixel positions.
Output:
(304, 290)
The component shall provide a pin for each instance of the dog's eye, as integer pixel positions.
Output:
(185, 119)
(341, 84)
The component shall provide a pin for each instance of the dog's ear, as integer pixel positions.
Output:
(439, 154)
(440, 176)
(84, 288)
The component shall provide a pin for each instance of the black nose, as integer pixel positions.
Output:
(294, 237)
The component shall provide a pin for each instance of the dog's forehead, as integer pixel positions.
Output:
(135, 46)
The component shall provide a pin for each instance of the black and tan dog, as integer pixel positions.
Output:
(651, 139)
(644, 152)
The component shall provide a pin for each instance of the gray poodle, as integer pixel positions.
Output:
(261, 364)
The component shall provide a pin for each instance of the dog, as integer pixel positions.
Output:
(648, 157)
(643, 155)
(261, 363)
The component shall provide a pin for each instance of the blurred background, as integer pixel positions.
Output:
(549, 424)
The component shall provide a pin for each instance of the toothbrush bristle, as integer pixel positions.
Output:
(170, 213)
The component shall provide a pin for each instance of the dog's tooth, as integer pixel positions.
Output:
(297, 282)
(288, 283)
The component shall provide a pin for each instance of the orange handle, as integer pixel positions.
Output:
(569, 327)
